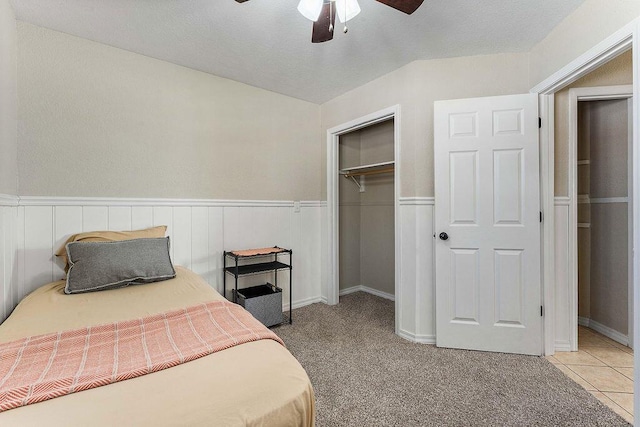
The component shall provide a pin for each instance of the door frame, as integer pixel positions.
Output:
(628, 37)
(621, 41)
(580, 95)
(333, 137)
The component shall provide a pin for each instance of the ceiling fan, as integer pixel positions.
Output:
(323, 13)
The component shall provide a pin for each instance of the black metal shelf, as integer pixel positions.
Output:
(237, 270)
(261, 267)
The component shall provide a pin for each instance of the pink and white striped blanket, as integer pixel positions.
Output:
(43, 367)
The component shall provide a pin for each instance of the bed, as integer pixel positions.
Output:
(253, 384)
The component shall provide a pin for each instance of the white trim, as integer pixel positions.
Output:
(584, 225)
(417, 201)
(617, 43)
(116, 201)
(604, 330)
(333, 258)
(577, 95)
(608, 200)
(367, 289)
(302, 303)
(583, 321)
(313, 203)
(562, 345)
(584, 162)
(8, 200)
(417, 338)
(547, 259)
(635, 197)
(630, 186)
(562, 201)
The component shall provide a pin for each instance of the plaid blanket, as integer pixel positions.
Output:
(43, 367)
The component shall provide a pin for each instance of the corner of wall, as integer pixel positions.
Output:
(9, 100)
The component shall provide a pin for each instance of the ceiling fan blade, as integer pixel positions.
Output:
(323, 27)
(406, 6)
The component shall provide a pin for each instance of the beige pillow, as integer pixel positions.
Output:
(109, 236)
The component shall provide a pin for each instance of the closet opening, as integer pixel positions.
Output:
(604, 221)
(366, 210)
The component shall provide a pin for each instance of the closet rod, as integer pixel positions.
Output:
(373, 172)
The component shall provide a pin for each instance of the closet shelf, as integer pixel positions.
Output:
(372, 169)
(364, 170)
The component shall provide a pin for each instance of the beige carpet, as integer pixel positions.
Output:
(365, 375)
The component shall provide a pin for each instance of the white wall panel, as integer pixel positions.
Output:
(95, 218)
(216, 246)
(425, 291)
(163, 215)
(65, 224)
(416, 291)
(181, 236)
(200, 240)
(141, 217)
(30, 234)
(119, 218)
(562, 285)
(8, 268)
(38, 248)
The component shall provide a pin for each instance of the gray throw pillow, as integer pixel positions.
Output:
(96, 266)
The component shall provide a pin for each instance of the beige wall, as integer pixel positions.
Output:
(349, 213)
(367, 241)
(377, 231)
(589, 24)
(100, 121)
(603, 137)
(415, 87)
(619, 71)
(609, 139)
(8, 100)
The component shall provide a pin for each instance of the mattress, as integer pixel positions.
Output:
(254, 384)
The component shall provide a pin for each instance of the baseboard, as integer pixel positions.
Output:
(583, 321)
(302, 303)
(605, 330)
(417, 338)
(367, 289)
(562, 345)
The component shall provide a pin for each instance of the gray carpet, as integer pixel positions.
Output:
(365, 375)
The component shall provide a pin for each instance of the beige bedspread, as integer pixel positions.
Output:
(253, 384)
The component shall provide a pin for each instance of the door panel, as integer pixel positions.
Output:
(488, 289)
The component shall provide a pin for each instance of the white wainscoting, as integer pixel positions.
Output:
(417, 284)
(199, 229)
(8, 259)
(563, 276)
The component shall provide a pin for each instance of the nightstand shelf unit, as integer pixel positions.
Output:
(257, 261)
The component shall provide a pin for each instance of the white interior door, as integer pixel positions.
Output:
(488, 288)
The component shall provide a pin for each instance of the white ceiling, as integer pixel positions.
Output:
(267, 43)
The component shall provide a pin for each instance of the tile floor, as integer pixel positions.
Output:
(603, 367)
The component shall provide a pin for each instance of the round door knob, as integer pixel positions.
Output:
(444, 236)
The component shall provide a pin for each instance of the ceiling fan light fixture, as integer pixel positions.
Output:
(347, 9)
(310, 9)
